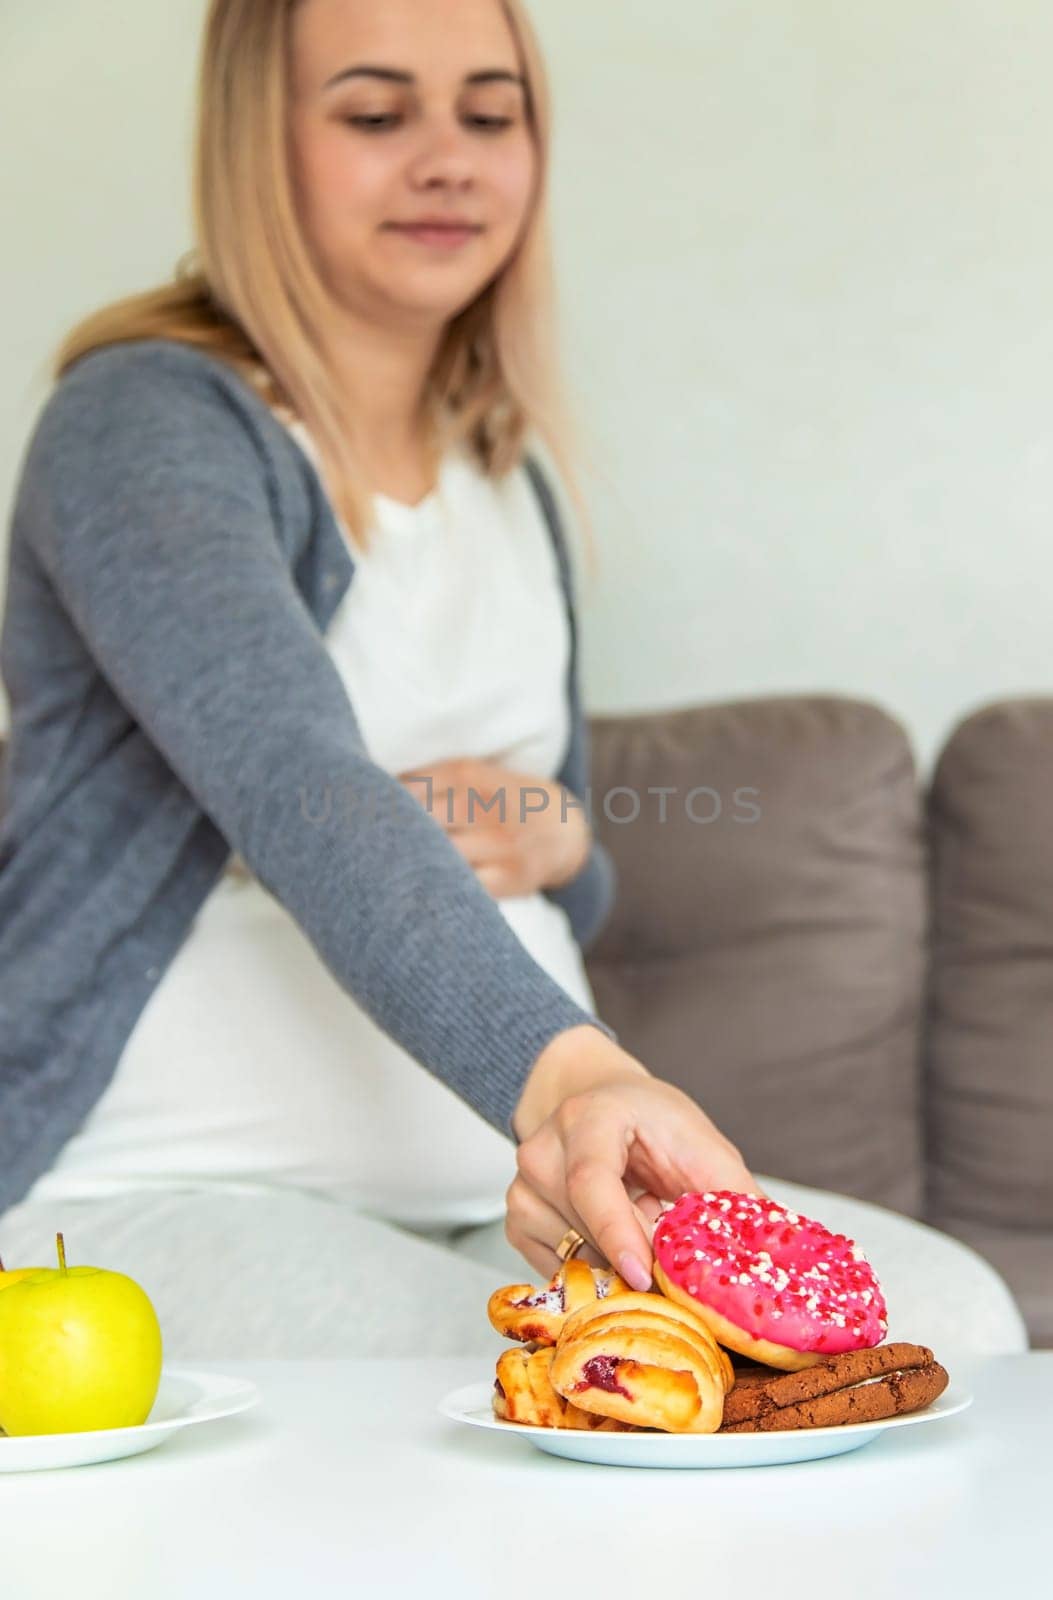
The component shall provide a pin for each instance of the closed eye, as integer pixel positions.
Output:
(381, 122)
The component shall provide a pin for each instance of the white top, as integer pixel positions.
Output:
(250, 1064)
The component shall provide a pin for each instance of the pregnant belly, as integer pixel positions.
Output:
(251, 1064)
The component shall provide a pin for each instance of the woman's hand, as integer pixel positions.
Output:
(512, 829)
(602, 1142)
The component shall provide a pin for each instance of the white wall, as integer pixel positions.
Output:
(806, 249)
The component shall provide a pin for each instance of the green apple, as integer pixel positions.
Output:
(80, 1349)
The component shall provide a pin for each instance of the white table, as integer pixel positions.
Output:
(346, 1481)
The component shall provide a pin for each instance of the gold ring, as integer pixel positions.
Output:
(570, 1244)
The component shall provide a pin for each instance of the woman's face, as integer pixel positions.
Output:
(388, 128)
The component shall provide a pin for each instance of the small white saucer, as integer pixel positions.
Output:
(185, 1396)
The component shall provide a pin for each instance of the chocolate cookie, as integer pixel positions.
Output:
(858, 1386)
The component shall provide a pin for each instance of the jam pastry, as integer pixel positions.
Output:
(646, 1361)
(535, 1316)
(523, 1393)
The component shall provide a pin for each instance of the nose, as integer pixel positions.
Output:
(446, 157)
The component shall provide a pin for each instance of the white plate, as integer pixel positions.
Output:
(184, 1397)
(473, 1405)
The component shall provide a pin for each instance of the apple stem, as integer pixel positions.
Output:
(2, 1267)
(61, 1251)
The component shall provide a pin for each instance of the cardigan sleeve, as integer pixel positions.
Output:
(589, 897)
(148, 504)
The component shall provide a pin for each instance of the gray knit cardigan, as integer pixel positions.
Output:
(174, 563)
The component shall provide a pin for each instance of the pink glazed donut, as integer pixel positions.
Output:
(770, 1284)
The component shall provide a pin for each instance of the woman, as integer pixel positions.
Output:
(210, 1064)
(283, 581)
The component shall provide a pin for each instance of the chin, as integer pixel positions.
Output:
(428, 304)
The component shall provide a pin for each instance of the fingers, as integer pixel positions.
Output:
(479, 806)
(481, 846)
(486, 849)
(650, 1208)
(534, 1228)
(705, 1159)
(718, 1167)
(466, 792)
(496, 866)
(644, 1142)
(460, 792)
(597, 1153)
(497, 882)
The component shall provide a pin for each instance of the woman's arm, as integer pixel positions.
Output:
(150, 503)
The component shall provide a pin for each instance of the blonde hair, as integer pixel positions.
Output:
(251, 295)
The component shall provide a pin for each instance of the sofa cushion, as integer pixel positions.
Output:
(770, 960)
(1025, 1260)
(990, 1026)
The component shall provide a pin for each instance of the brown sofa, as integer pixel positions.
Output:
(852, 973)
(853, 976)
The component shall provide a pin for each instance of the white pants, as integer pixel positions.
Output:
(265, 1273)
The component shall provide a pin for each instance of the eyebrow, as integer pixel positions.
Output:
(396, 75)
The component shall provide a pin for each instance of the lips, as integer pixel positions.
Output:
(456, 224)
(444, 235)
